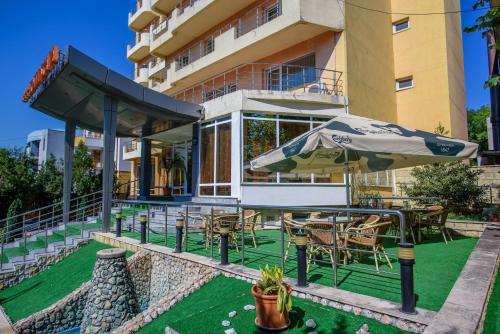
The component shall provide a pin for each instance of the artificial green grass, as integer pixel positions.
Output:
(437, 265)
(492, 320)
(204, 310)
(39, 243)
(51, 285)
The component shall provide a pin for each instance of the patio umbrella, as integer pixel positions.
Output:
(362, 144)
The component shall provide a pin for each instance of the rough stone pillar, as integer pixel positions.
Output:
(111, 299)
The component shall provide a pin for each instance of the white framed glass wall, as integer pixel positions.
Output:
(215, 158)
(263, 132)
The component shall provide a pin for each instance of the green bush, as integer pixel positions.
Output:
(455, 183)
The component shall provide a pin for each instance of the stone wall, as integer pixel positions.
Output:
(24, 271)
(140, 273)
(68, 312)
(65, 314)
(172, 279)
(490, 177)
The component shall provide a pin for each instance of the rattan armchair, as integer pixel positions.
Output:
(368, 236)
(290, 225)
(436, 219)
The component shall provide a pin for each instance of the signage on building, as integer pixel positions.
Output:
(43, 72)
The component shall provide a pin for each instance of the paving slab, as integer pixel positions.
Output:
(463, 310)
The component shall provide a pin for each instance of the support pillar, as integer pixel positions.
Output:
(69, 148)
(109, 129)
(195, 161)
(145, 173)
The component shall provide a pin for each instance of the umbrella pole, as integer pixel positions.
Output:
(347, 183)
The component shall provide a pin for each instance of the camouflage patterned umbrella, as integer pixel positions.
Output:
(370, 146)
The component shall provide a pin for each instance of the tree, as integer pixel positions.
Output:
(15, 208)
(454, 182)
(476, 125)
(86, 180)
(487, 24)
(50, 180)
(17, 180)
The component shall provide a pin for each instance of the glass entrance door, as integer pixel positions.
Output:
(175, 169)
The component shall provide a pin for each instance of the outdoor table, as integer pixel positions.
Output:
(411, 215)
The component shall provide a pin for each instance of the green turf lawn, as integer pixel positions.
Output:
(51, 285)
(492, 320)
(204, 310)
(57, 235)
(437, 265)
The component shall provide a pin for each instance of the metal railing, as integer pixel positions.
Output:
(265, 76)
(271, 241)
(250, 20)
(159, 28)
(42, 221)
(140, 37)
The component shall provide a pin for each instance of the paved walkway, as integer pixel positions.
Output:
(462, 312)
(5, 326)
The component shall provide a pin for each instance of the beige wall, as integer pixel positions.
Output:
(367, 62)
(430, 51)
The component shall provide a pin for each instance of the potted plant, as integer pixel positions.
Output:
(273, 301)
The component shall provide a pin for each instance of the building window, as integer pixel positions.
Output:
(215, 158)
(263, 132)
(295, 73)
(208, 46)
(271, 12)
(404, 83)
(401, 25)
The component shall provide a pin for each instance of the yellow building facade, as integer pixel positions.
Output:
(298, 60)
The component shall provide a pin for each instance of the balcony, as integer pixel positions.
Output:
(132, 150)
(274, 78)
(163, 6)
(158, 69)
(192, 19)
(141, 16)
(259, 32)
(139, 49)
(142, 75)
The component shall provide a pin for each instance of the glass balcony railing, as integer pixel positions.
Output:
(265, 76)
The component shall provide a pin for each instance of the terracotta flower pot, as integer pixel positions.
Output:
(267, 315)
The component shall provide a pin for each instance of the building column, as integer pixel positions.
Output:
(145, 173)
(195, 161)
(69, 148)
(109, 129)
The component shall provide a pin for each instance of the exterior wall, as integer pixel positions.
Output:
(51, 142)
(430, 51)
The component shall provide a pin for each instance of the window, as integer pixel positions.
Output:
(271, 12)
(208, 46)
(183, 60)
(215, 158)
(263, 132)
(401, 25)
(295, 73)
(404, 83)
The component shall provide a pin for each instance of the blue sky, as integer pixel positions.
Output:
(99, 28)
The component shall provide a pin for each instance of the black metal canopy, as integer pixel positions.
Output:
(77, 89)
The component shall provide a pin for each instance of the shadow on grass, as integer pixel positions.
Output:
(19, 294)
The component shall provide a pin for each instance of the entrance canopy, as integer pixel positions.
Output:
(76, 88)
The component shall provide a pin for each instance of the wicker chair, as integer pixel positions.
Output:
(320, 239)
(368, 236)
(232, 220)
(290, 225)
(436, 219)
(249, 222)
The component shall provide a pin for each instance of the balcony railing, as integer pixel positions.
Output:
(131, 146)
(159, 28)
(264, 76)
(185, 5)
(250, 20)
(142, 37)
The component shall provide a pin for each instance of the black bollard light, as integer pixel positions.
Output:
(224, 235)
(301, 244)
(144, 222)
(179, 229)
(406, 258)
(119, 224)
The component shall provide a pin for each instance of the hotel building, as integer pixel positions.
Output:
(267, 71)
